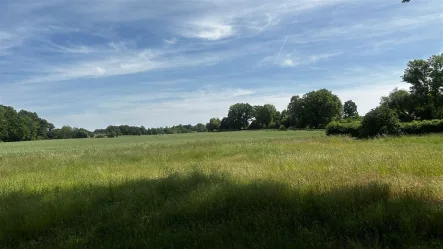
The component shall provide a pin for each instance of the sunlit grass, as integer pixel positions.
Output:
(265, 189)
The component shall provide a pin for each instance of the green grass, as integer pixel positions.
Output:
(263, 189)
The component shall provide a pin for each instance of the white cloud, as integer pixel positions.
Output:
(115, 37)
(291, 61)
(365, 29)
(209, 30)
(171, 41)
(120, 63)
(288, 63)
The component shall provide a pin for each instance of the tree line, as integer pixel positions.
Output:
(126, 130)
(417, 111)
(27, 126)
(313, 110)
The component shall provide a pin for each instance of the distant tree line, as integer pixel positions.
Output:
(27, 126)
(126, 130)
(314, 110)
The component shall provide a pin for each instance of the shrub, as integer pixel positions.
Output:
(112, 134)
(422, 127)
(100, 135)
(380, 121)
(283, 128)
(344, 128)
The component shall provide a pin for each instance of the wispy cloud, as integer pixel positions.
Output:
(209, 30)
(289, 60)
(120, 63)
(171, 41)
(167, 51)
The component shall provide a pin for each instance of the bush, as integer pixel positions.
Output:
(380, 121)
(282, 128)
(344, 128)
(422, 127)
(100, 135)
(112, 134)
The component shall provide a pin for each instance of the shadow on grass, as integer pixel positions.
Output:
(199, 211)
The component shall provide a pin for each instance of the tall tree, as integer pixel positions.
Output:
(295, 112)
(213, 125)
(265, 115)
(315, 109)
(239, 115)
(426, 78)
(225, 123)
(200, 127)
(402, 103)
(350, 110)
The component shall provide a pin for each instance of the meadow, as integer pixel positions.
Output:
(255, 189)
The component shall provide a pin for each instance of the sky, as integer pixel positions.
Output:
(94, 63)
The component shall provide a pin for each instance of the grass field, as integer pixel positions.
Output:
(264, 189)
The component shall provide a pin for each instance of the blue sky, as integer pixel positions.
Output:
(92, 63)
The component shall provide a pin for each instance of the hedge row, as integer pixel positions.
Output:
(416, 127)
(422, 127)
(339, 128)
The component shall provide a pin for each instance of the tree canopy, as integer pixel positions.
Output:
(265, 115)
(315, 109)
(213, 125)
(350, 110)
(239, 116)
(426, 91)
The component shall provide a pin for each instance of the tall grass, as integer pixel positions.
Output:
(227, 190)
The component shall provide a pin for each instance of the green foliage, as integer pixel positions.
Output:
(315, 109)
(344, 128)
(225, 124)
(111, 134)
(265, 115)
(22, 125)
(426, 78)
(283, 128)
(402, 103)
(422, 127)
(255, 125)
(406, 128)
(296, 112)
(239, 116)
(380, 121)
(213, 125)
(350, 110)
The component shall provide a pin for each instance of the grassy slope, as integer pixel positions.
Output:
(224, 190)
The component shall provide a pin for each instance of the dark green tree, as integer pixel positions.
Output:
(426, 78)
(213, 125)
(225, 124)
(402, 103)
(295, 112)
(315, 109)
(350, 110)
(200, 128)
(380, 121)
(239, 116)
(265, 115)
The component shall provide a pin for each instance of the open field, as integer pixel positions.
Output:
(264, 189)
